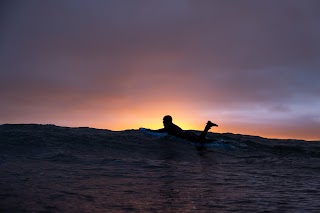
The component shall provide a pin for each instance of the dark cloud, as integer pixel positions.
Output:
(215, 56)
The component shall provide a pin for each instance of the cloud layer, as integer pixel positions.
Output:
(252, 66)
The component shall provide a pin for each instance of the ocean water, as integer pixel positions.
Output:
(45, 168)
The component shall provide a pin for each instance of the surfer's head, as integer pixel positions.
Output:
(167, 120)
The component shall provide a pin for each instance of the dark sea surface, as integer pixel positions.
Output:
(46, 168)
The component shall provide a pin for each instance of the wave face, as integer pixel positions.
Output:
(61, 169)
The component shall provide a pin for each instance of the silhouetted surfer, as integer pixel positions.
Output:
(174, 130)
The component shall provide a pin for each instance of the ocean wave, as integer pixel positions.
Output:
(62, 169)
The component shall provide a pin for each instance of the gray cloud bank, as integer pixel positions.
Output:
(224, 55)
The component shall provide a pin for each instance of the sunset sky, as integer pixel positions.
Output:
(253, 67)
